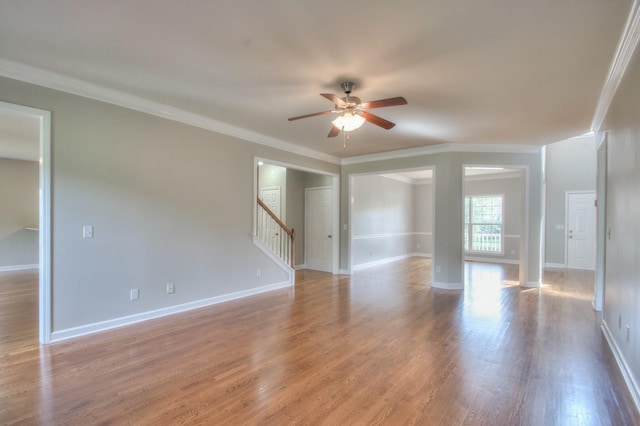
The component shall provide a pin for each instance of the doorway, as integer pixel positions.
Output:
(292, 182)
(581, 230)
(43, 121)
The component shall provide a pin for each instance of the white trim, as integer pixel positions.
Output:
(380, 262)
(397, 177)
(389, 235)
(158, 313)
(291, 274)
(441, 148)
(555, 265)
(44, 225)
(422, 254)
(531, 284)
(491, 260)
(626, 371)
(601, 223)
(385, 261)
(337, 236)
(18, 267)
(300, 266)
(52, 80)
(344, 272)
(624, 52)
(494, 176)
(447, 286)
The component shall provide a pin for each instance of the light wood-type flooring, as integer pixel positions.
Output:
(378, 347)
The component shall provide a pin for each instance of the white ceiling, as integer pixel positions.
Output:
(482, 71)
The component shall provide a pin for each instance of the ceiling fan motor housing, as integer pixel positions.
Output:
(351, 101)
(348, 86)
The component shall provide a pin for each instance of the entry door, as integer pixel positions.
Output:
(581, 230)
(318, 229)
(270, 196)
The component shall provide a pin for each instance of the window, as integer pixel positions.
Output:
(483, 223)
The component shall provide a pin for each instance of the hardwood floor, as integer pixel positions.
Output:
(378, 347)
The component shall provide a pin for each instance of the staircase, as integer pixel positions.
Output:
(275, 235)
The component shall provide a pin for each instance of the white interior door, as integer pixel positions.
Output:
(270, 196)
(318, 229)
(581, 230)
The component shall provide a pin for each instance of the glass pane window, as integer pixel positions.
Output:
(483, 223)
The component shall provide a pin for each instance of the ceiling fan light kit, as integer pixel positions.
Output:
(348, 122)
(352, 112)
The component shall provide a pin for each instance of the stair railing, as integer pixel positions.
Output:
(275, 234)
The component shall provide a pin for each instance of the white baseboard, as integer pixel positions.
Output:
(492, 260)
(83, 330)
(18, 267)
(379, 262)
(344, 272)
(555, 265)
(532, 284)
(300, 266)
(627, 374)
(421, 255)
(447, 286)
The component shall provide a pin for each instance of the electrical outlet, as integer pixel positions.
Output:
(417, 245)
(258, 273)
(134, 294)
(619, 322)
(171, 288)
(438, 269)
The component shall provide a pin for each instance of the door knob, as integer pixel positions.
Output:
(329, 236)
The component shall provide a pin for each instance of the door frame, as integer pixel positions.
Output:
(44, 225)
(567, 194)
(335, 185)
(601, 224)
(349, 225)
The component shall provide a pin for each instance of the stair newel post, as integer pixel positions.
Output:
(293, 251)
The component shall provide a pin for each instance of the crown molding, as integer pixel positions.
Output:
(52, 80)
(441, 148)
(624, 52)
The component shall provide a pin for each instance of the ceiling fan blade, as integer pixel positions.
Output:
(333, 132)
(333, 98)
(311, 115)
(378, 121)
(385, 103)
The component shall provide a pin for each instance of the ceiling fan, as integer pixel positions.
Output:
(353, 112)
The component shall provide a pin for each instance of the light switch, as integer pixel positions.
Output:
(87, 231)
